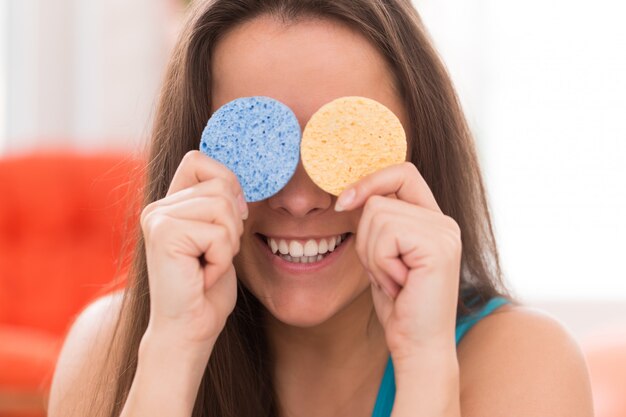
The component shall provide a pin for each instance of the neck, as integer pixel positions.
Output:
(333, 368)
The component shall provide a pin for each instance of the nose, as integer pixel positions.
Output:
(301, 196)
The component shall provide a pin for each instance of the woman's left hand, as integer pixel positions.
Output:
(412, 253)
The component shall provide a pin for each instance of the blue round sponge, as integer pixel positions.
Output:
(258, 138)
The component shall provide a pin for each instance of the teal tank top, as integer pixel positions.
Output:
(387, 390)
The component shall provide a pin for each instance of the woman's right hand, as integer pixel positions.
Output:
(191, 237)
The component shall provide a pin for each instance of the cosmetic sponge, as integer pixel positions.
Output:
(258, 138)
(348, 139)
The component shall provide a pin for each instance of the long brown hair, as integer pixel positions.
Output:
(237, 380)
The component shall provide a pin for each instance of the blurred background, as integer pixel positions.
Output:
(542, 85)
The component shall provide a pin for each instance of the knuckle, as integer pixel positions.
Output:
(158, 227)
(373, 203)
(234, 179)
(386, 223)
(221, 186)
(225, 177)
(452, 244)
(144, 214)
(453, 226)
(191, 156)
(221, 234)
(222, 204)
(236, 247)
(409, 167)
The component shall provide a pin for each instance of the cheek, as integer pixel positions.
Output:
(244, 264)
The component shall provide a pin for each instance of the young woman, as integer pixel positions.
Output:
(212, 323)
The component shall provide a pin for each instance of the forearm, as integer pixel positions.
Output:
(167, 380)
(428, 386)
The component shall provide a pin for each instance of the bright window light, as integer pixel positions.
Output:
(544, 88)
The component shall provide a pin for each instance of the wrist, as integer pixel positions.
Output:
(427, 385)
(426, 362)
(412, 357)
(167, 378)
(165, 357)
(167, 347)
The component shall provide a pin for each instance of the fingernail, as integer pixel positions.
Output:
(345, 198)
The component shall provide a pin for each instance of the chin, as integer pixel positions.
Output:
(303, 310)
(304, 307)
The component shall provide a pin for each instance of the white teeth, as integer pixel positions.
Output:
(310, 248)
(311, 251)
(273, 245)
(296, 249)
(283, 248)
(322, 247)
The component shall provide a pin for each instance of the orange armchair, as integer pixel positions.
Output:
(63, 219)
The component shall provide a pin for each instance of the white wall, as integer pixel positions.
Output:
(82, 74)
(3, 75)
(544, 88)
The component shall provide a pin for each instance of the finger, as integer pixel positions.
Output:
(377, 289)
(218, 257)
(389, 224)
(193, 239)
(383, 259)
(225, 283)
(415, 216)
(213, 187)
(382, 303)
(210, 210)
(377, 204)
(403, 180)
(362, 232)
(197, 167)
(365, 244)
(385, 283)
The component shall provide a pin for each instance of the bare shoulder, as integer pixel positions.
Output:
(83, 354)
(520, 361)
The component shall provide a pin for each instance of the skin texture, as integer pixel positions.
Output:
(329, 361)
(274, 61)
(317, 323)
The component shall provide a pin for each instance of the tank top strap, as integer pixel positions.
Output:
(386, 392)
(465, 323)
(387, 389)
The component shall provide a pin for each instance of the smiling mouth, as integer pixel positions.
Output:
(310, 251)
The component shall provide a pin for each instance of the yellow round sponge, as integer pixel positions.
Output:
(348, 139)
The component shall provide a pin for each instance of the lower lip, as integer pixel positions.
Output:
(298, 267)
